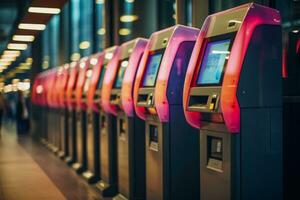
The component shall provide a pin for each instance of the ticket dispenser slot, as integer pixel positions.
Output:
(153, 138)
(198, 101)
(122, 133)
(214, 153)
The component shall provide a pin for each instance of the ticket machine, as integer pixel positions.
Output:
(93, 99)
(129, 140)
(71, 105)
(51, 79)
(92, 131)
(80, 164)
(171, 144)
(63, 112)
(56, 88)
(232, 93)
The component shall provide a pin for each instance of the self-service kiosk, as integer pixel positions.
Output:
(93, 99)
(56, 109)
(80, 164)
(92, 140)
(171, 144)
(63, 151)
(52, 75)
(71, 105)
(106, 155)
(232, 93)
(117, 100)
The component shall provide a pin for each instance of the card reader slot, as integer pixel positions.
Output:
(142, 97)
(198, 101)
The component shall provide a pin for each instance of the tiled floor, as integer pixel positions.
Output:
(28, 171)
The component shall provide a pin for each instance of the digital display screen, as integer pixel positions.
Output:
(121, 71)
(214, 59)
(101, 77)
(152, 67)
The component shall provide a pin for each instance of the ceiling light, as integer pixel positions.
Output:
(129, 1)
(84, 45)
(28, 26)
(43, 10)
(101, 31)
(128, 18)
(23, 38)
(8, 56)
(5, 63)
(7, 59)
(99, 1)
(7, 52)
(124, 31)
(17, 46)
(295, 31)
(29, 61)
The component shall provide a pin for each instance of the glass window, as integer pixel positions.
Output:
(86, 27)
(127, 20)
(166, 13)
(45, 49)
(100, 25)
(54, 40)
(75, 21)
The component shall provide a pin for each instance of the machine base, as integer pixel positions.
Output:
(119, 197)
(78, 167)
(106, 189)
(89, 177)
(61, 154)
(69, 160)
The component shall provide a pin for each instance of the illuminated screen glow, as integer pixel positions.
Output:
(101, 77)
(121, 71)
(152, 69)
(213, 62)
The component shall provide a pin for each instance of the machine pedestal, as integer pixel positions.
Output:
(108, 169)
(92, 139)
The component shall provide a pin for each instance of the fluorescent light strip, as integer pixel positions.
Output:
(7, 59)
(7, 52)
(23, 38)
(43, 10)
(17, 46)
(9, 56)
(27, 26)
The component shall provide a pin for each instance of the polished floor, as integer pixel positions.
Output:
(28, 171)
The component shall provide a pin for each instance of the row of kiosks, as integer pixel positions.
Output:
(187, 114)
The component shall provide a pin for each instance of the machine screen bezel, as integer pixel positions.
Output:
(159, 51)
(117, 74)
(227, 36)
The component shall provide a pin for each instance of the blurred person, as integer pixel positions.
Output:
(22, 115)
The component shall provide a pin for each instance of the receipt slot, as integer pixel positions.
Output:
(71, 106)
(172, 145)
(117, 99)
(80, 165)
(232, 93)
